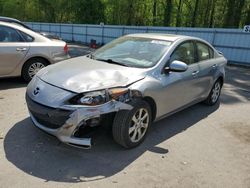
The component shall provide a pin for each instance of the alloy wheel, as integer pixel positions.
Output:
(139, 125)
(34, 68)
(216, 92)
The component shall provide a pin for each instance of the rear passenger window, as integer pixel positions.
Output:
(8, 34)
(204, 51)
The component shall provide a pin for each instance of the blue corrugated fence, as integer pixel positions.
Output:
(233, 43)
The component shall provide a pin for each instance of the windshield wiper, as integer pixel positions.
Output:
(111, 62)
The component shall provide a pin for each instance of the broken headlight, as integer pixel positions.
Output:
(93, 98)
(100, 97)
(120, 94)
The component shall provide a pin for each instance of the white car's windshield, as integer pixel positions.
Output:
(133, 51)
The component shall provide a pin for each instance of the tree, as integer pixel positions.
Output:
(168, 12)
(233, 15)
(247, 20)
(195, 13)
(1, 7)
(178, 17)
(89, 12)
(154, 11)
(211, 22)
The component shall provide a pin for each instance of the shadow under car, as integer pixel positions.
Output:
(43, 156)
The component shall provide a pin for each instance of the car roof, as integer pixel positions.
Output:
(162, 36)
(13, 20)
(2, 18)
(12, 25)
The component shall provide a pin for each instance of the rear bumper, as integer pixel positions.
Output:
(60, 57)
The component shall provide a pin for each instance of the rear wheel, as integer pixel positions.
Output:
(31, 67)
(214, 94)
(130, 127)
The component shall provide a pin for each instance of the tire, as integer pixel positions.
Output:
(125, 121)
(31, 67)
(214, 94)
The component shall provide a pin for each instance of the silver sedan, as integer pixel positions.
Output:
(24, 52)
(128, 84)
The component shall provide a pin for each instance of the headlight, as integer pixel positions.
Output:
(120, 94)
(101, 97)
(93, 98)
(90, 98)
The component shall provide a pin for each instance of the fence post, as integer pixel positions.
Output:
(102, 34)
(60, 30)
(86, 35)
(176, 31)
(72, 32)
(123, 28)
(214, 37)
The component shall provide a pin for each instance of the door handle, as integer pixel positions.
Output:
(21, 49)
(195, 73)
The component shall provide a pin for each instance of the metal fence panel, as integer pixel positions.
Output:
(233, 43)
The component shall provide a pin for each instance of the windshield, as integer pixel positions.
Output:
(133, 51)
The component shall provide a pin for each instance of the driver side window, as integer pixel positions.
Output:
(185, 53)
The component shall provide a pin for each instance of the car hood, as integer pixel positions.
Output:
(83, 74)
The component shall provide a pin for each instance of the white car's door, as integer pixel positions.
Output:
(13, 49)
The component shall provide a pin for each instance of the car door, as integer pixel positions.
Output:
(180, 88)
(13, 49)
(208, 66)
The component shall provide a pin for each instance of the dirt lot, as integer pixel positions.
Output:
(198, 147)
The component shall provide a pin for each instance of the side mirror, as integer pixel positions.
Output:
(177, 66)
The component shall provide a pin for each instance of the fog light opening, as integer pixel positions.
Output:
(93, 122)
(86, 128)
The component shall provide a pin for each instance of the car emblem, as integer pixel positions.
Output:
(36, 91)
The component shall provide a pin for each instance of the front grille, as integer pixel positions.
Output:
(48, 117)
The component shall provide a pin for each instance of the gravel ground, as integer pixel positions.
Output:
(198, 147)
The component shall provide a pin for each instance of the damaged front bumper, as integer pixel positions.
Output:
(64, 121)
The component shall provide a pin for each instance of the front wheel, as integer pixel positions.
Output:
(214, 94)
(130, 127)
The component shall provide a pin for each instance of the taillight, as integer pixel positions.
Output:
(66, 48)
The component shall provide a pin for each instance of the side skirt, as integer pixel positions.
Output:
(179, 109)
